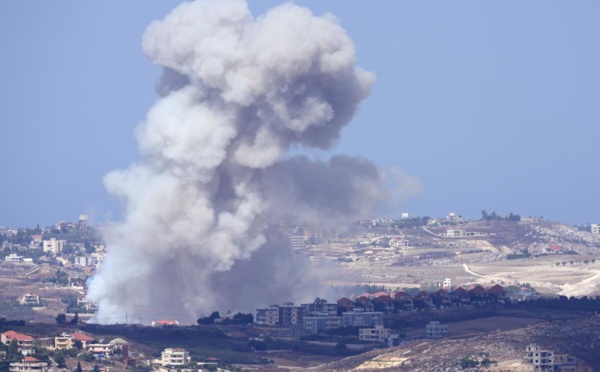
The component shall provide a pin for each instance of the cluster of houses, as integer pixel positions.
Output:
(66, 340)
(369, 309)
(318, 316)
(171, 358)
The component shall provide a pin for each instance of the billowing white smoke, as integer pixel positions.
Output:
(202, 207)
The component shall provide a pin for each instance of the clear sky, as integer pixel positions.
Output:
(492, 105)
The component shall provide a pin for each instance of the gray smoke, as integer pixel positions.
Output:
(201, 210)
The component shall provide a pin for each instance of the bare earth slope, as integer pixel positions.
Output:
(577, 337)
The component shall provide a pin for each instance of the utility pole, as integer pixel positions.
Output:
(125, 317)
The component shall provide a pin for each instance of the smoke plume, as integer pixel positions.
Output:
(201, 209)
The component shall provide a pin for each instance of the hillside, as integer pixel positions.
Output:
(576, 337)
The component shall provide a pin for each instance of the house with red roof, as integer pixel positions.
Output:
(401, 296)
(24, 342)
(441, 298)
(384, 303)
(422, 301)
(496, 293)
(460, 296)
(478, 294)
(344, 304)
(67, 340)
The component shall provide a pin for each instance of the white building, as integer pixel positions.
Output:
(29, 364)
(454, 233)
(595, 228)
(175, 357)
(435, 329)
(445, 283)
(54, 245)
(29, 300)
(398, 242)
(377, 334)
(454, 218)
(87, 305)
(13, 257)
(83, 261)
(24, 342)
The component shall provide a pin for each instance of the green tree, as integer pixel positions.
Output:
(59, 358)
(78, 344)
(61, 319)
(79, 367)
(13, 350)
(75, 319)
(96, 368)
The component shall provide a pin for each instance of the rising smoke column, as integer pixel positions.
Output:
(201, 208)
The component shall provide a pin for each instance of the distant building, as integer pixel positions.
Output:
(453, 218)
(320, 306)
(320, 323)
(398, 242)
(444, 283)
(24, 342)
(362, 318)
(547, 360)
(83, 261)
(290, 314)
(36, 241)
(454, 233)
(376, 334)
(297, 242)
(29, 364)
(175, 357)
(595, 228)
(67, 340)
(54, 245)
(83, 221)
(268, 316)
(89, 306)
(14, 258)
(435, 330)
(29, 300)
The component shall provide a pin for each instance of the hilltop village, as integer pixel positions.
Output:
(415, 280)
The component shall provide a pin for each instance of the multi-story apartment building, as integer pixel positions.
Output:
(435, 329)
(24, 342)
(175, 357)
(595, 228)
(320, 306)
(376, 334)
(362, 318)
(53, 245)
(268, 316)
(290, 314)
(547, 360)
(67, 340)
(316, 324)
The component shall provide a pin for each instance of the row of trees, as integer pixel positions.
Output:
(485, 216)
(239, 318)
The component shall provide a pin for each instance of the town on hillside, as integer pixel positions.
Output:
(402, 283)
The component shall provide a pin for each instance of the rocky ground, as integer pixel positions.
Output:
(577, 337)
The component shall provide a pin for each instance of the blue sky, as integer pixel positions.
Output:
(492, 105)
